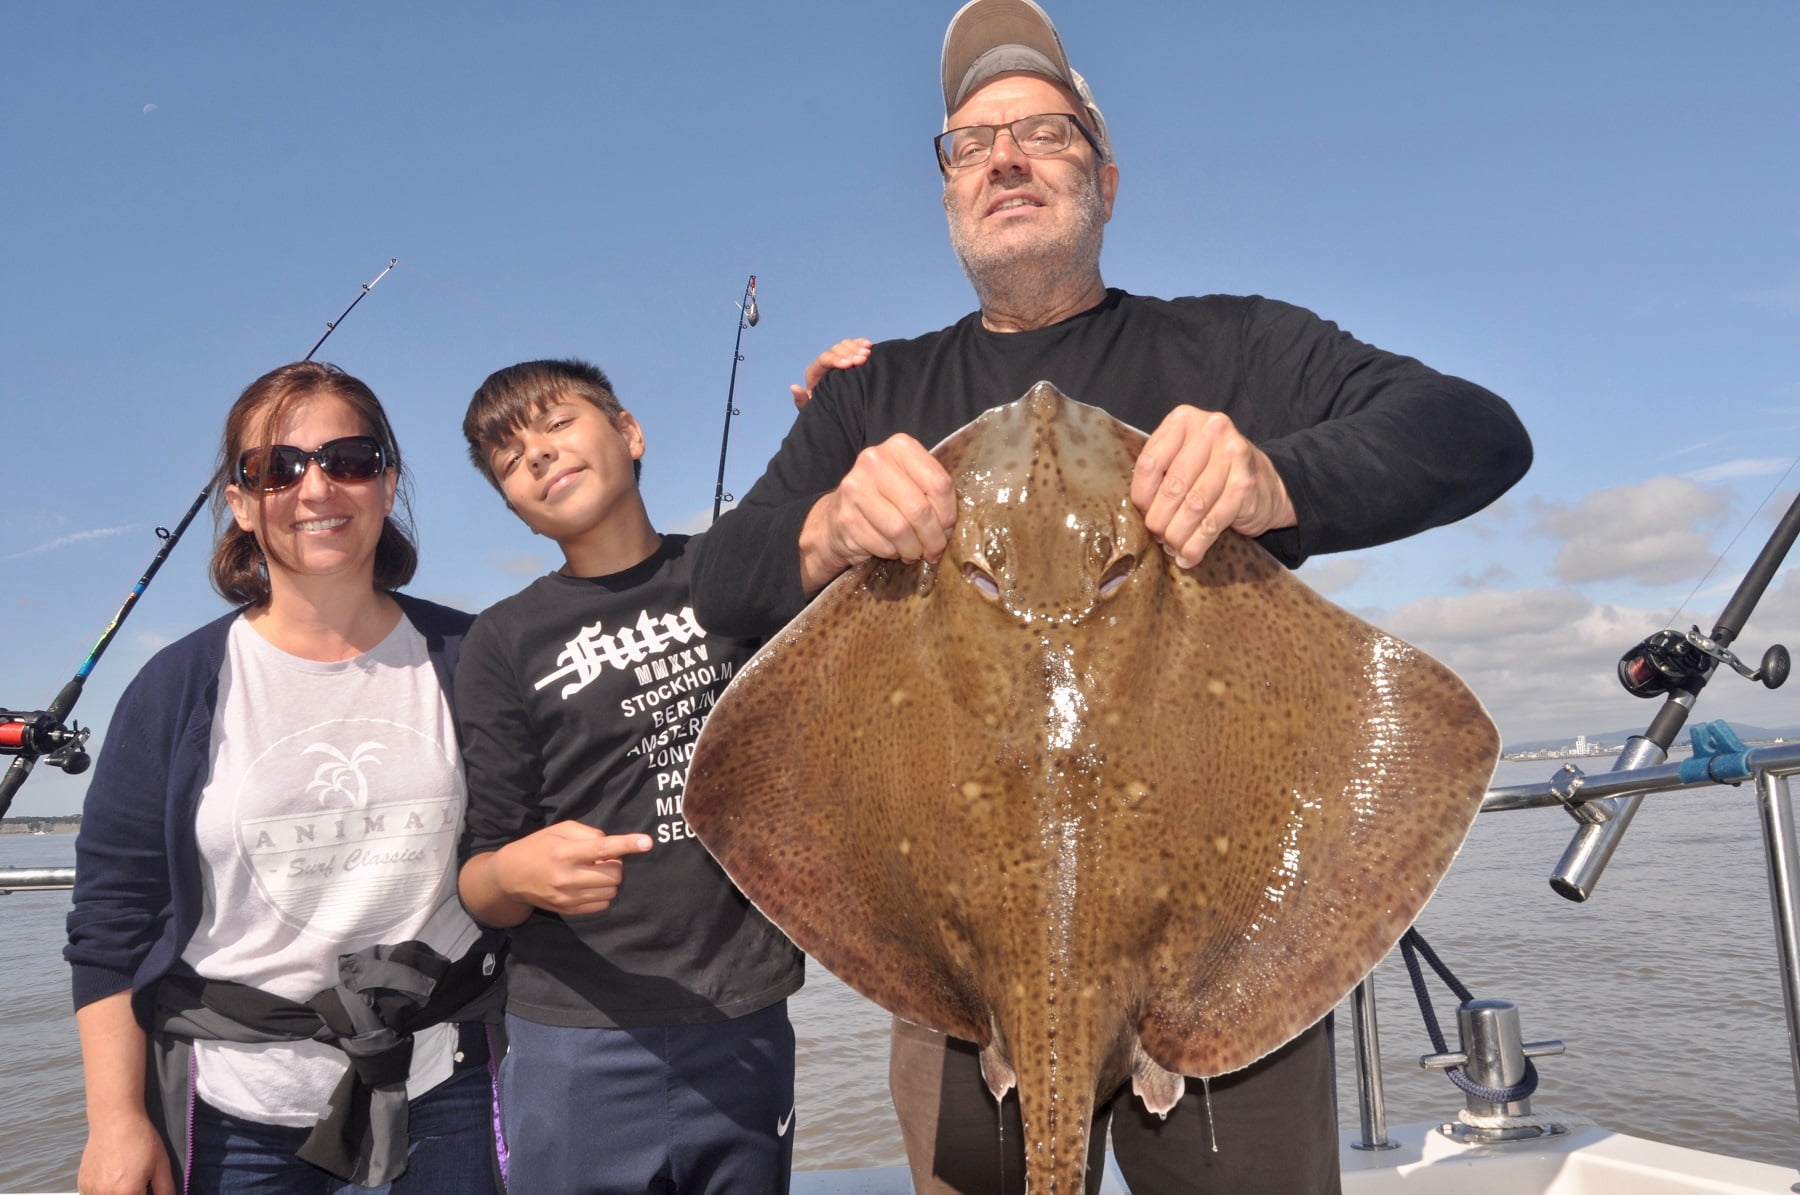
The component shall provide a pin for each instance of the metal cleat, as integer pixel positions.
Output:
(1496, 1065)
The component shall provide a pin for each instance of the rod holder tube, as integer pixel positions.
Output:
(1592, 848)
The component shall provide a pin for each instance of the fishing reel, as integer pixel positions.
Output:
(37, 735)
(1669, 661)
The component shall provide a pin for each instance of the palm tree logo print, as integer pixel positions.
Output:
(340, 782)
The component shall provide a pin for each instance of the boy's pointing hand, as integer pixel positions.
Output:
(567, 868)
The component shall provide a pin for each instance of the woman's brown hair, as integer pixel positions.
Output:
(239, 571)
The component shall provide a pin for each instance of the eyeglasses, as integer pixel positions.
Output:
(1036, 136)
(353, 458)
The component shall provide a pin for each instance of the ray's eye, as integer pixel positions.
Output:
(1118, 571)
(982, 580)
(993, 552)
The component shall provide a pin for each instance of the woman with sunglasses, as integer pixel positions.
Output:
(265, 883)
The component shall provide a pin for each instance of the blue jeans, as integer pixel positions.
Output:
(451, 1131)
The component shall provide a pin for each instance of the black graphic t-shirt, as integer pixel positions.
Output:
(580, 698)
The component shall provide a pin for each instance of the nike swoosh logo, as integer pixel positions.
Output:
(785, 1123)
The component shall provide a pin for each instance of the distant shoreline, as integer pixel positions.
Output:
(32, 825)
(1611, 749)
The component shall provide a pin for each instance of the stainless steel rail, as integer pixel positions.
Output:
(1777, 809)
(1779, 759)
(36, 879)
(1369, 1093)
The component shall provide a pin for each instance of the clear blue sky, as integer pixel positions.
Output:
(1589, 208)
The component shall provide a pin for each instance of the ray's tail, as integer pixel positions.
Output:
(1066, 1055)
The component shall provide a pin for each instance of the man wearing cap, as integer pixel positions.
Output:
(1268, 421)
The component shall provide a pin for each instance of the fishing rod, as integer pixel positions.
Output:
(1675, 666)
(331, 325)
(47, 735)
(747, 317)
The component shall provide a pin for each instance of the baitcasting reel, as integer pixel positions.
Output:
(1669, 661)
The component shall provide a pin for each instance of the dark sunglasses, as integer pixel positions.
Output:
(353, 458)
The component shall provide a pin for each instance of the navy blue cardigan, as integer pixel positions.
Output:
(138, 896)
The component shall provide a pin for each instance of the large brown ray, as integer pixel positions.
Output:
(1054, 795)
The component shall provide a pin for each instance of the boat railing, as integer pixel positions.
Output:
(36, 879)
(1719, 759)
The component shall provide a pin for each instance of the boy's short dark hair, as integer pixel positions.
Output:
(511, 397)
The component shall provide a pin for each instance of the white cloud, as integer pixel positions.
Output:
(1777, 506)
(1485, 615)
(1653, 532)
(1334, 574)
(1544, 661)
(1732, 470)
(64, 541)
(1541, 660)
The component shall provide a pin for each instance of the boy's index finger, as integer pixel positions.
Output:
(617, 846)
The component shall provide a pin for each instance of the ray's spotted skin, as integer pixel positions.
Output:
(1108, 818)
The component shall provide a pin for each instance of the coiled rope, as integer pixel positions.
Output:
(1412, 945)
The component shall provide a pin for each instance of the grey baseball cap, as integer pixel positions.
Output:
(991, 37)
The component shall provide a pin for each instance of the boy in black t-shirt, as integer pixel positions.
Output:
(650, 1047)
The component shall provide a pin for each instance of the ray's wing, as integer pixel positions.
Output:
(1312, 779)
(814, 778)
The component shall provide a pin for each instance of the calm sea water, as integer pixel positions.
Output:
(1664, 986)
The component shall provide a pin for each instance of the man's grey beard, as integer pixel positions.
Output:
(1026, 278)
